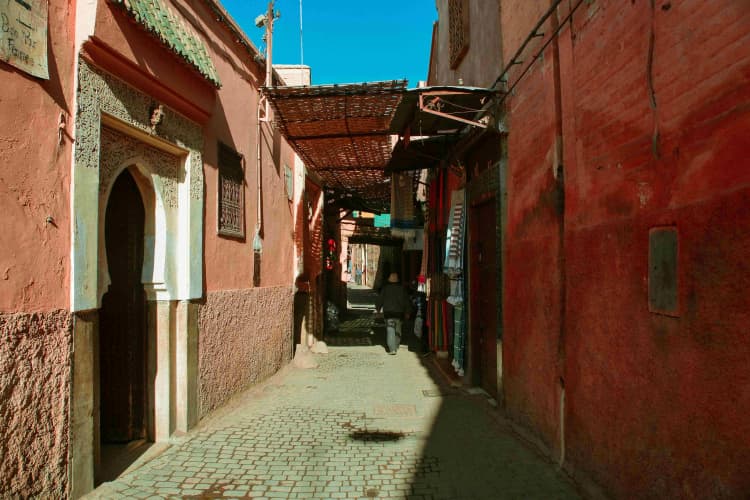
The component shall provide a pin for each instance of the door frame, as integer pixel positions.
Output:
(173, 255)
(475, 343)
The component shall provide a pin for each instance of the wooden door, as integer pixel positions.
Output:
(122, 326)
(483, 262)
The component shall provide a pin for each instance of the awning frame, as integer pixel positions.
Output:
(346, 133)
(434, 101)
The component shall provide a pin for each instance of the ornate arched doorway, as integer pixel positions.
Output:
(123, 387)
(132, 383)
(122, 329)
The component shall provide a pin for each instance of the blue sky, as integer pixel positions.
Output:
(348, 41)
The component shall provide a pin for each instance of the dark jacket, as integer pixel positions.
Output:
(393, 300)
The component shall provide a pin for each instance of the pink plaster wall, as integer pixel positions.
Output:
(240, 342)
(245, 336)
(120, 32)
(34, 403)
(236, 329)
(233, 121)
(34, 176)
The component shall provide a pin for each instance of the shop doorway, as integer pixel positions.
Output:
(483, 272)
(122, 329)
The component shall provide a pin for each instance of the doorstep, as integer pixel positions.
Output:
(444, 365)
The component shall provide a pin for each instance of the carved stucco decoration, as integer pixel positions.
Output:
(100, 154)
(100, 93)
(118, 148)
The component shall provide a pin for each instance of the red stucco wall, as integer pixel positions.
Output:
(531, 274)
(35, 176)
(656, 406)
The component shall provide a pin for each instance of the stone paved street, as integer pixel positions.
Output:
(361, 425)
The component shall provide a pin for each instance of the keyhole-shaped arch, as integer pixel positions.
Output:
(155, 266)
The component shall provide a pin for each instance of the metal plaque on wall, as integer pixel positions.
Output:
(23, 35)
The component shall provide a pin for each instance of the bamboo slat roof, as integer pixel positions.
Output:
(345, 132)
(342, 132)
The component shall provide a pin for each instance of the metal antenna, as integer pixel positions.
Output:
(301, 47)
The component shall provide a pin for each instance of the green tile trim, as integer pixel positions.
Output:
(170, 29)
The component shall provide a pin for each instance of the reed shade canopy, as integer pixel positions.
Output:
(346, 133)
(342, 133)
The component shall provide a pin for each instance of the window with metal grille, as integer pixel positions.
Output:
(231, 193)
(458, 27)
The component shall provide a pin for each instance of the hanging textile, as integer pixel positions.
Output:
(454, 247)
(459, 339)
(403, 214)
(421, 194)
(456, 294)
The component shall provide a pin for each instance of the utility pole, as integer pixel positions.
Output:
(269, 45)
(264, 20)
(267, 21)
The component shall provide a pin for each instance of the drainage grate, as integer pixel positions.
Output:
(395, 411)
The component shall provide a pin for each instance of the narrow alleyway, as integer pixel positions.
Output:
(361, 425)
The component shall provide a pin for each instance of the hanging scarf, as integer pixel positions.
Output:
(454, 248)
(454, 245)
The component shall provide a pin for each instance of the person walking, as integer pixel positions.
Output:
(396, 306)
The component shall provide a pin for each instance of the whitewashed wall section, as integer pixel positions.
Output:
(174, 227)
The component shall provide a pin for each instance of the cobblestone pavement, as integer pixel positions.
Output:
(361, 425)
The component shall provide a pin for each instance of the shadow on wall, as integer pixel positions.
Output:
(53, 86)
(301, 316)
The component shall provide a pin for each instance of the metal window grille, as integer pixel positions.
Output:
(231, 193)
(458, 27)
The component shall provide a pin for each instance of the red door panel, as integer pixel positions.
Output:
(483, 260)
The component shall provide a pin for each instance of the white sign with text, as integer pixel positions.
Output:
(23, 35)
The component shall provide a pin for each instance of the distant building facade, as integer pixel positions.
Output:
(294, 75)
